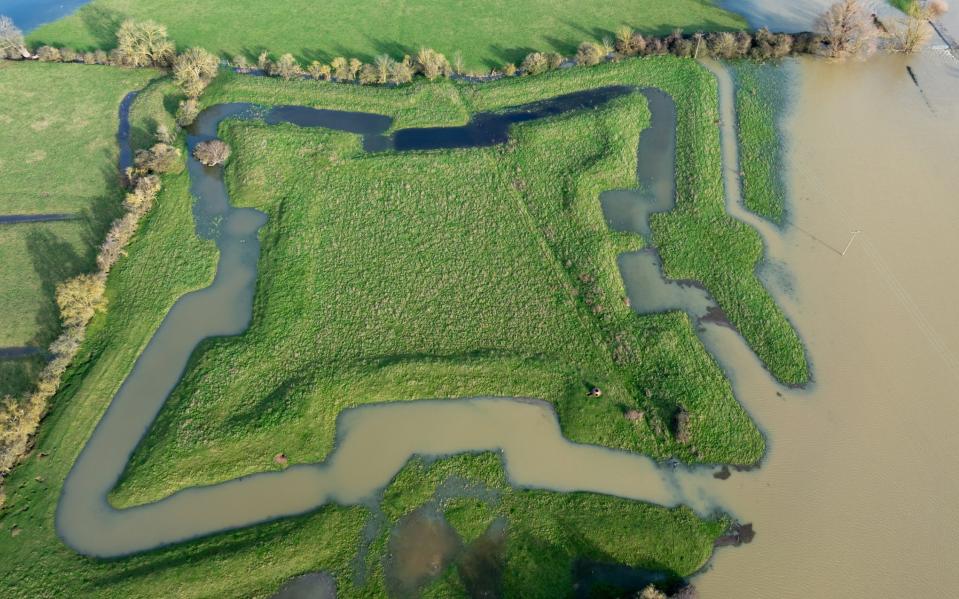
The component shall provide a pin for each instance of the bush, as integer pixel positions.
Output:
(264, 63)
(101, 57)
(744, 43)
(535, 63)
(914, 31)
(240, 62)
(11, 40)
(382, 65)
(141, 44)
(431, 64)
(163, 134)
(509, 69)
(193, 70)
(458, 65)
(48, 54)
(588, 54)
(319, 71)
(624, 40)
(79, 299)
(212, 152)
(161, 158)
(368, 74)
(89, 58)
(286, 67)
(187, 112)
(848, 30)
(400, 72)
(722, 45)
(68, 55)
(555, 60)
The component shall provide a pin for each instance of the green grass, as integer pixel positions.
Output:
(58, 153)
(390, 277)
(488, 33)
(760, 102)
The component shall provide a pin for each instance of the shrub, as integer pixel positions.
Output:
(768, 45)
(80, 298)
(382, 65)
(263, 62)
(212, 152)
(319, 71)
(589, 54)
(101, 57)
(193, 70)
(431, 64)
(353, 68)
(555, 60)
(722, 45)
(458, 65)
(340, 68)
(744, 42)
(89, 58)
(240, 62)
(807, 42)
(509, 69)
(535, 63)
(161, 158)
(187, 112)
(48, 54)
(848, 30)
(11, 39)
(679, 45)
(286, 67)
(624, 40)
(400, 72)
(368, 74)
(68, 55)
(914, 31)
(163, 134)
(145, 43)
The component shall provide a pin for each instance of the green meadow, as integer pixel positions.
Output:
(487, 33)
(58, 154)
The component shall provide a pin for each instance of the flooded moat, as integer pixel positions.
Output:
(373, 441)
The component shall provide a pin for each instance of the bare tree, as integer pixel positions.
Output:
(286, 67)
(194, 69)
(212, 152)
(11, 39)
(848, 30)
(145, 43)
(914, 30)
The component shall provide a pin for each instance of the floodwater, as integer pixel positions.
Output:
(857, 497)
(30, 14)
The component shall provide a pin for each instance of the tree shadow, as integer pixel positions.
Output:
(512, 55)
(102, 23)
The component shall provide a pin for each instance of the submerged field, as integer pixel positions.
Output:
(402, 276)
(488, 34)
(58, 154)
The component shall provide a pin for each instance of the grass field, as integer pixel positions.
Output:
(760, 103)
(487, 33)
(58, 153)
(459, 273)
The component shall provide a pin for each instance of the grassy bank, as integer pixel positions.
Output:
(58, 154)
(401, 276)
(487, 34)
(760, 103)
